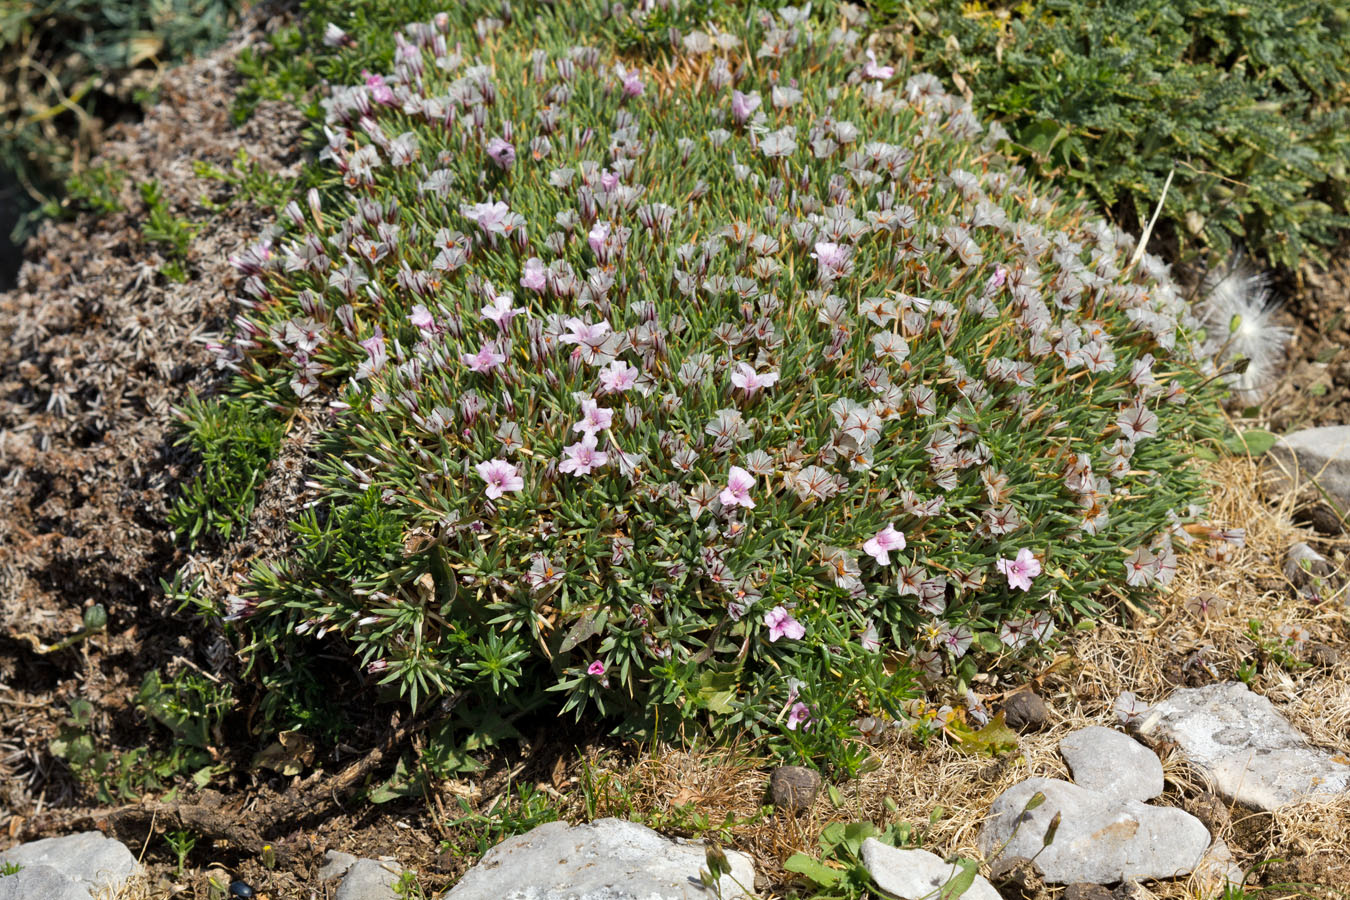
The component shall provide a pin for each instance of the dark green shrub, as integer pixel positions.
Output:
(566, 315)
(1249, 101)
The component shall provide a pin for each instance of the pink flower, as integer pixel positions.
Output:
(583, 457)
(830, 257)
(743, 106)
(747, 378)
(500, 476)
(596, 668)
(881, 544)
(532, 276)
(737, 491)
(485, 360)
(1021, 570)
(421, 318)
(800, 714)
(874, 71)
(955, 640)
(379, 91)
(502, 152)
(632, 83)
(781, 624)
(583, 332)
(594, 418)
(490, 217)
(608, 181)
(501, 311)
(618, 376)
(597, 237)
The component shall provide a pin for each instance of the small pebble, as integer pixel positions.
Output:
(1323, 655)
(1129, 890)
(1025, 711)
(793, 787)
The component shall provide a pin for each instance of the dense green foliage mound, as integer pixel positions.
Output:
(1248, 100)
(736, 382)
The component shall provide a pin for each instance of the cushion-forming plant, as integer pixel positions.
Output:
(741, 381)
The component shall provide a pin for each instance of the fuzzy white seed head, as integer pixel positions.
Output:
(1242, 321)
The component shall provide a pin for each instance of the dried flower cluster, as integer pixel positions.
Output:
(743, 383)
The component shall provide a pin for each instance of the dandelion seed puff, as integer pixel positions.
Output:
(1241, 317)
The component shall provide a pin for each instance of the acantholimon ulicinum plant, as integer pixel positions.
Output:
(739, 382)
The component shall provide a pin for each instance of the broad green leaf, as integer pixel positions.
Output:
(1254, 441)
(584, 629)
(813, 869)
(994, 739)
(962, 882)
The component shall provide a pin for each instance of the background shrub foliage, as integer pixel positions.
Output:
(1247, 100)
(629, 371)
(65, 71)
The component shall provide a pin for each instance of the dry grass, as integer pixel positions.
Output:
(1150, 654)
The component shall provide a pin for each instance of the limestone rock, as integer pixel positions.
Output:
(1217, 871)
(1100, 840)
(1321, 455)
(1250, 753)
(368, 879)
(608, 859)
(915, 874)
(43, 881)
(335, 865)
(1025, 711)
(89, 861)
(1111, 763)
(794, 787)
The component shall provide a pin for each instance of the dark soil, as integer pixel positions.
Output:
(1315, 389)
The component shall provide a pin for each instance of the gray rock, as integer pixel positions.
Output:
(368, 879)
(1321, 455)
(1099, 840)
(39, 881)
(608, 859)
(794, 787)
(1111, 763)
(89, 860)
(1250, 753)
(1217, 871)
(335, 865)
(915, 874)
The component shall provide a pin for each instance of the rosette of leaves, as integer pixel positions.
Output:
(624, 365)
